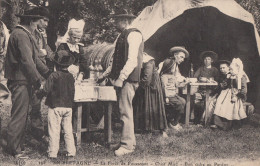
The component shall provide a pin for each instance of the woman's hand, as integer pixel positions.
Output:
(233, 98)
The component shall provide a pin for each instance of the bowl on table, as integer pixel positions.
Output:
(193, 80)
(203, 79)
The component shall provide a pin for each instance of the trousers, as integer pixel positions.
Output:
(58, 117)
(176, 109)
(125, 99)
(19, 113)
(37, 127)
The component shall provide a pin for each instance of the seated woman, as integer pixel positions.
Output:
(70, 43)
(222, 84)
(148, 102)
(205, 73)
(171, 80)
(229, 106)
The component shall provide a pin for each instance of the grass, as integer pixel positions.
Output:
(192, 146)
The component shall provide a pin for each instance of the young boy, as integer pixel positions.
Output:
(60, 90)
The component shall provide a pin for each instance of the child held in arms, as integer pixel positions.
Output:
(59, 89)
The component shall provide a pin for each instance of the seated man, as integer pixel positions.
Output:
(171, 80)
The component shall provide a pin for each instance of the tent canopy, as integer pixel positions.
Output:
(222, 26)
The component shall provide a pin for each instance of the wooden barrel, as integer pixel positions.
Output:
(99, 53)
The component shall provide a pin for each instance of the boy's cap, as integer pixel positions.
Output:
(63, 58)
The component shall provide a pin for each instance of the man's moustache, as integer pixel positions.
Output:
(41, 29)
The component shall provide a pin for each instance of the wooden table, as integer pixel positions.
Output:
(90, 94)
(188, 99)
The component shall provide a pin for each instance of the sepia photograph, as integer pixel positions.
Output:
(130, 82)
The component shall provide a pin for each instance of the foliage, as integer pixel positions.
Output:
(95, 13)
(252, 6)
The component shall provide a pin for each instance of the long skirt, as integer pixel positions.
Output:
(149, 108)
(226, 113)
(228, 110)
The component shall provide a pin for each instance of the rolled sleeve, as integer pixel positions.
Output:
(134, 41)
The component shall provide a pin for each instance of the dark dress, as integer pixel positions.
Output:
(148, 103)
(80, 58)
(207, 72)
(200, 96)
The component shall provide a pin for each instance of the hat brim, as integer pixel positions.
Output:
(223, 62)
(30, 16)
(63, 64)
(179, 49)
(213, 55)
(72, 60)
(122, 16)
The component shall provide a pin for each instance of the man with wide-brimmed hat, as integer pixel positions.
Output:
(125, 74)
(45, 53)
(24, 71)
(41, 36)
(171, 80)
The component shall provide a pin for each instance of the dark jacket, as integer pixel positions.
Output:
(59, 89)
(42, 43)
(121, 55)
(22, 62)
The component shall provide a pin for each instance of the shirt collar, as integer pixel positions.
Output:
(24, 28)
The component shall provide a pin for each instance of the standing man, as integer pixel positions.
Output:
(41, 37)
(125, 75)
(45, 53)
(24, 70)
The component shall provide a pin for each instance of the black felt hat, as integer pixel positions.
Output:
(122, 13)
(63, 58)
(42, 11)
(31, 13)
(212, 54)
(223, 62)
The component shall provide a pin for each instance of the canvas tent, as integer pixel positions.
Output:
(222, 26)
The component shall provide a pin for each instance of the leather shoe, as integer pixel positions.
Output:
(123, 151)
(21, 156)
